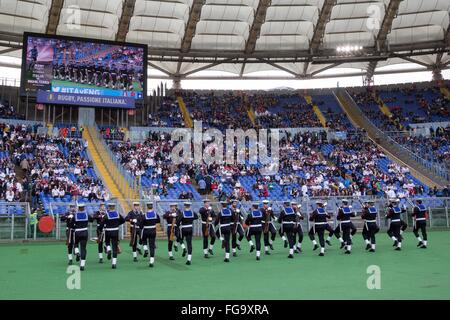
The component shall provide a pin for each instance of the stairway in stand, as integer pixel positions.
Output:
(389, 146)
(185, 112)
(114, 182)
(319, 114)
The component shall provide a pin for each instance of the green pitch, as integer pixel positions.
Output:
(136, 85)
(38, 271)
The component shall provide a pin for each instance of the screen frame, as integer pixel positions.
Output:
(26, 35)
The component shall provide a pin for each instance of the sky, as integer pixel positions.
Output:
(13, 75)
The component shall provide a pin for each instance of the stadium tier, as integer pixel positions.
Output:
(224, 149)
(55, 167)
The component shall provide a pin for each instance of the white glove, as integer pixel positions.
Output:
(174, 214)
(134, 220)
(210, 219)
(70, 216)
(270, 208)
(209, 208)
(238, 210)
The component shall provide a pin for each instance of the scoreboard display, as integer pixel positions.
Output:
(84, 72)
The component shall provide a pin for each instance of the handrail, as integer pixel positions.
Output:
(131, 181)
(380, 134)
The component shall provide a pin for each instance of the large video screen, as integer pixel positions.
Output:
(77, 71)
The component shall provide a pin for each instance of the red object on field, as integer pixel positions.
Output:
(131, 112)
(46, 224)
(39, 106)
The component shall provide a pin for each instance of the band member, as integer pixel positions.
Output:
(394, 231)
(224, 220)
(328, 228)
(319, 217)
(148, 223)
(133, 216)
(370, 228)
(207, 215)
(98, 217)
(81, 220)
(173, 232)
(287, 219)
(298, 229)
(268, 226)
(70, 241)
(112, 221)
(184, 221)
(344, 217)
(237, 228)
(254, 223)
(419, 215)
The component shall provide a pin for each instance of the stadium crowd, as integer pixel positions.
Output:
(48, 166)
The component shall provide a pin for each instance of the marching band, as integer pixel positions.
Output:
(230, 225)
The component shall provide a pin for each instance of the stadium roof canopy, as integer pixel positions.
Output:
(299, 38)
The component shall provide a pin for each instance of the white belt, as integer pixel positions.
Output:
(204, 222)
(81, 229)
(187, 226)
(112, 229)
(320, 223)
(225, 225)
(149, 227)
(288, 222)
(346, 221)
(371, 220)
(135, 226)
(255, 225)
(395, 220)
(419, 219)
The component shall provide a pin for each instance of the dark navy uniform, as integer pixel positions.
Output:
(185, 222)
(237, 231)
(98, 218)
(370, 228)
(112, 221)
(81, 221)
(70, 234)
(345, 213)
(207, 216)
(254, 223)
(224, 222)
(171, 217)
(269, 217)
(133, 217)
(394, 231)
(298, 229)
(419, 215)
(287, 219)
(319, 217)
(148, 222)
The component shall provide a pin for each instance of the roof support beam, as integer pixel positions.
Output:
(8, 50)
(280, 67)
(260, 17)
(385, 28)
(416, 61)
(124, 22)
(53, 16)
(255, 29)
(325, 76)
(319, 30)
(189, 32)
(160, 69)
(325, 68)
(208, 66)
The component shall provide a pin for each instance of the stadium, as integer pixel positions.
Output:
(225, 149)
